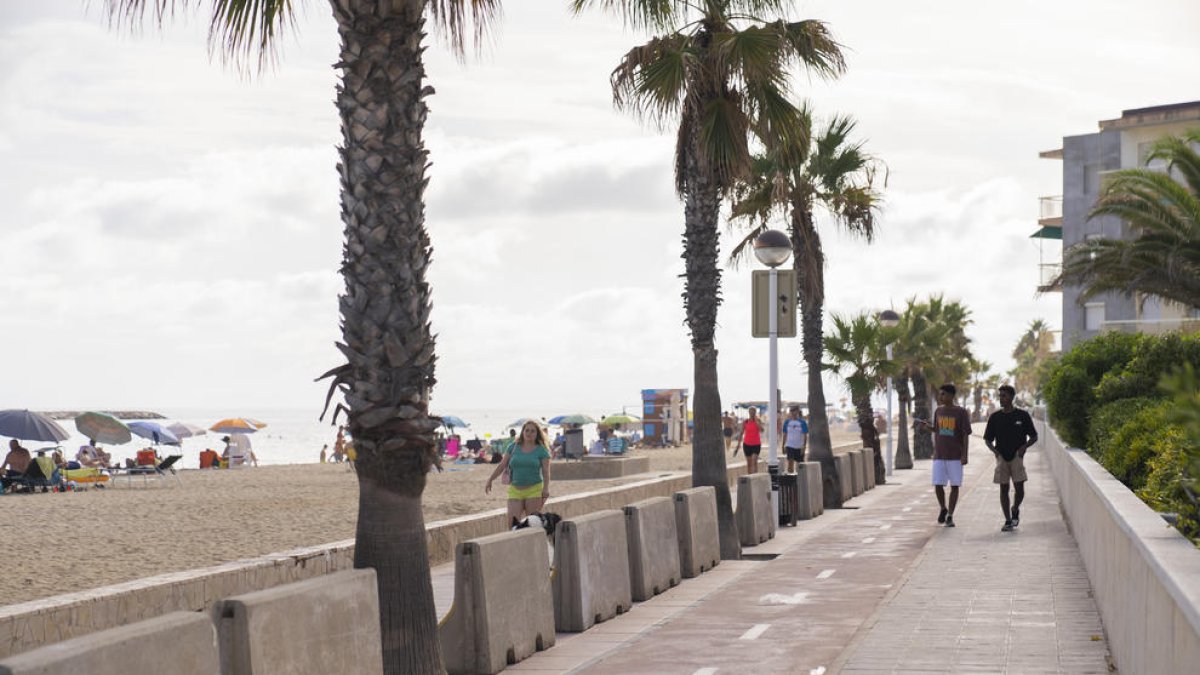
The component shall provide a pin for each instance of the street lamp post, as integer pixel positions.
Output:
(773, 248)
(889, 319)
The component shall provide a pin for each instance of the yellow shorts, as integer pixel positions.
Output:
(529, 492)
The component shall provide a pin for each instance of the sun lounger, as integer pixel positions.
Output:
(160, 471)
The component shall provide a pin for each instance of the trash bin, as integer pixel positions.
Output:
(573, 443)
(789, 495)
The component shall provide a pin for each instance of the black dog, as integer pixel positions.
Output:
(546, 521)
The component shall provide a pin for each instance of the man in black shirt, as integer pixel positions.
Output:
(1008, 435)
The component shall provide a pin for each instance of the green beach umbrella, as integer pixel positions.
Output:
(103, 428)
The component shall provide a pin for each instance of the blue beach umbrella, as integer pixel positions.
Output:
(155, 432)
(575, 418)
(452, 421)
(27, 425)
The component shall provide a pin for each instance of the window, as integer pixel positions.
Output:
(1091, 179)
(1093, 315)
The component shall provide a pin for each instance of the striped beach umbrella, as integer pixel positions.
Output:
(103, 428)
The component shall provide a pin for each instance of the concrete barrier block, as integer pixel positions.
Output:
(812, 501)
(755, 517)
(856, 471)
(183, 643)
(503, 604)
(591, 563)
(845, 474)
(323, 625)
(699, 536)
(653, 547)
(869, 468)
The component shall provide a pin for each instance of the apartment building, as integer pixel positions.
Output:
(1087, 159)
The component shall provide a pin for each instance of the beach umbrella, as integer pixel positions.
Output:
(257, 423)
(237, 425)
(620, 418)
(451, 421)
(103, 428)
(154, 431)
(185, 430)
(27, 425)
(517, 424)
(576, 418)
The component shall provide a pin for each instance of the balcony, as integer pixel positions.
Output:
(1152, 327)
(1047, 272)
(1051, 211)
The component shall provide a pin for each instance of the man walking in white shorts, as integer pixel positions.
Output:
(952, 434)
(1008, 435)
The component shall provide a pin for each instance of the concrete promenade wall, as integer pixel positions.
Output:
(1144, 574)
(32, 624)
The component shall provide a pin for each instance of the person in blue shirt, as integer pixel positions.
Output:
(529, 459)
(795, 437)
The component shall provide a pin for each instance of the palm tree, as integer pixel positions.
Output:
(980, 374)
(723, 71)
(836, 174)
(386, 336)
(1163, 259)
(1034, 347)
(933, 347)
(857, 350)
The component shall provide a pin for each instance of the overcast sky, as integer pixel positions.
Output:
(170, 232)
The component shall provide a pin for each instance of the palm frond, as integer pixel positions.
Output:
(724, 125)
(651, 79)
(637, 14)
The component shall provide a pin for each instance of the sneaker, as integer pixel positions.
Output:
(942, 516)
(1008, 526)
(949, 521)
(1016, 519)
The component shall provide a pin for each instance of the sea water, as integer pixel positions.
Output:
(292, 436)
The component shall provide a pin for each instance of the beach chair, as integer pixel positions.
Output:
(41, 473)
(159, 471)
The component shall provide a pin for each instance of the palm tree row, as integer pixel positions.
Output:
(929, 347)
(829, 174)
(721, 68)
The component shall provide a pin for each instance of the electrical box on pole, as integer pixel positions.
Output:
(784, 304)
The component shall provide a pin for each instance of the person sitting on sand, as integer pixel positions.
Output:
(15, 462)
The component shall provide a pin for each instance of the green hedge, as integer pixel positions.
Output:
(1104, 395)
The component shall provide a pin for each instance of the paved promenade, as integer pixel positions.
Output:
(877, 587)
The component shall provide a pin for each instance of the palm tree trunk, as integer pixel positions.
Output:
(903, 459)
(385, 314)
(702, 296)
(809, 263)
(922, 439)
(870, 436)
(978, 415)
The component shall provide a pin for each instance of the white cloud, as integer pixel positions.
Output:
(172, 236)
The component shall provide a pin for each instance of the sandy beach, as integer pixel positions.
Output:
(66, 542)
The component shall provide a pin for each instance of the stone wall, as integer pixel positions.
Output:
(40, 622)
(1145, 575)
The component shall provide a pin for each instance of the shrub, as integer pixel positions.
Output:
(1128, 451)
(1154, 358)
(1107, 420)
(1165, 484)
(1070, 388)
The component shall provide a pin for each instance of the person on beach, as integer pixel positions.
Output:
(91, 455)
(952, 435)
(324, 449)
(795, 437)
(750, 438)
(1008, 434)
(529, 459)
(15, 462)
(728, 422)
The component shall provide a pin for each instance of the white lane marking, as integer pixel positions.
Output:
(780, 599)
(868, 540)
(886, 527)
(906, 509)
(851, 554)
(705, 671)
(819, 670)
(826, 574)
(754, 632)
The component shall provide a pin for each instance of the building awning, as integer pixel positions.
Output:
(1047, 232)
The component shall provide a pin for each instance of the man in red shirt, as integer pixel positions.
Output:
(952, 434)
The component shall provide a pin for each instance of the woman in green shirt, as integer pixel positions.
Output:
(529, 460)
